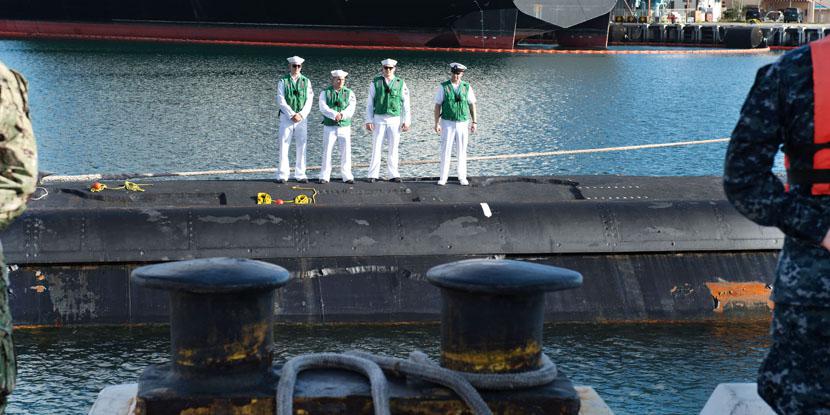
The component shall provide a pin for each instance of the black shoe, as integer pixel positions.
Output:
(349, 182)
(302, 181)
(395, 179)
(279, 181)
(371, 180)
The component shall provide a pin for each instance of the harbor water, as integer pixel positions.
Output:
(638, 369)
(113, 107)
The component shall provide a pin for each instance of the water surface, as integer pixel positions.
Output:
(636, 368)
(115, 107)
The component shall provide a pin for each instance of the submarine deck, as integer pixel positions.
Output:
(511, 189)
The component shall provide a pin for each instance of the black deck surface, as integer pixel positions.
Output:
(185, 193)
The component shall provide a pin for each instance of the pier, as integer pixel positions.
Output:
(716, 34)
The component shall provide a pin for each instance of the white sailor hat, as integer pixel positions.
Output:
(389, 62)
(296, 60)
(339, 74)
(457, 66)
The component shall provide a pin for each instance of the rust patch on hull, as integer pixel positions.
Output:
(752, 295)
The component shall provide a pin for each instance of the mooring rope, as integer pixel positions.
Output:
(431, 373)
(289, 372)
(418, 366)
(123, 176)
(488, 381)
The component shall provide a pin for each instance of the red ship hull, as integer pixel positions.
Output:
(289, 35)
(196, 33)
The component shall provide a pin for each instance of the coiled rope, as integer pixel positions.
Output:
(488, 381)
(54, 179)
(288, 378)
(431, 373)
(419, 366)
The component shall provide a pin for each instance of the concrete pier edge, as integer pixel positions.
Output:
(120, 400)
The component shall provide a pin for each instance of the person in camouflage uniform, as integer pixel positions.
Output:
(778, 113)
(18, 176)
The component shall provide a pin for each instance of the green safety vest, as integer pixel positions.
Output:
(295, 92)
(388, 100)
(338, 101)
(455, 106)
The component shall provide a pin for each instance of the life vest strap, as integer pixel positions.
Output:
(806, 177)
(807, 149)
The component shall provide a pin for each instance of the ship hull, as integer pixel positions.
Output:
(230, 33)
(592, 34)
(496, 24)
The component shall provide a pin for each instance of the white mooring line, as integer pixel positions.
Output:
(121, 176)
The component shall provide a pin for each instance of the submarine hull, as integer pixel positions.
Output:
(648, 248)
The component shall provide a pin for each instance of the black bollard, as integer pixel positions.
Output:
(221, 322)
(491, 323)
(493, 311)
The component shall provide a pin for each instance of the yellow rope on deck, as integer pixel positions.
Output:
(128, 186)
(263, 198)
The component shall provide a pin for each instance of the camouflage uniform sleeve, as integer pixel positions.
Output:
(18, 154)
(748, 179)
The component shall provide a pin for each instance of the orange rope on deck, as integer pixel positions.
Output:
(398, 48)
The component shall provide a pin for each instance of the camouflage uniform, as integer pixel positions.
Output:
(795, 376)
(18, 174)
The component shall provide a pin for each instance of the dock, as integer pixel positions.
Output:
(713, 34)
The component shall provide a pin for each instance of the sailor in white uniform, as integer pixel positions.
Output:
(294, 97)
(337, 103)
(455, 115)
(386, 107)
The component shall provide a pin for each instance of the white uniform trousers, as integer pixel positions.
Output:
(299, 132)
(454, 132)
(389, 129)
(343, 136)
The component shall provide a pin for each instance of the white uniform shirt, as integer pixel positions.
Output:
(439, 94)
(285, 108)
(370, 105)
(330, 113)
